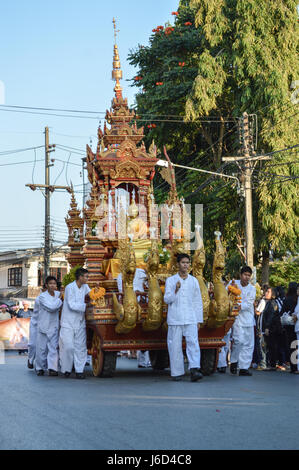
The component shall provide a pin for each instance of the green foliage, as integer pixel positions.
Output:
(164, 255)
(238, 55)
(283, 272)
(256, 63)
(70, 277)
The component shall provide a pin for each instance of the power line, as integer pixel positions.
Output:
(205, 152)
(296, 162)
(48, 114)
(10, 152)
(20, 163)
(281, 150)
(208, 118)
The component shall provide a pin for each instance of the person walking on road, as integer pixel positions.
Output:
(72, 339)
(243, 328)
(48, 329)
(33, 331)
(272, 330)
(185, 313)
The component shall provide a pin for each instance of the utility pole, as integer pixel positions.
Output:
(47, 206)
(48, 189)
(247, 172)
(246, 161)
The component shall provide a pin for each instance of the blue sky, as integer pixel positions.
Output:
(59, 55)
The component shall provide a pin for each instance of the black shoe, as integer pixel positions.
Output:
(67, 375)
(177, 378)
(245, 372)
(80, 376)
(29, 365)
(141, 367)
(40, 372)
(53, 373)
(234, 368)
(195, 375)
(221, 370)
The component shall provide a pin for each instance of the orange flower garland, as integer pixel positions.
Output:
(235, 291)
(96, 293)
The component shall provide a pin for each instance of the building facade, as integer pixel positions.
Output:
(21, 271)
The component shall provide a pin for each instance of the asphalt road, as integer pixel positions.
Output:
(139, 409)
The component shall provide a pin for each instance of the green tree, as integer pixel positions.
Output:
(249, 64)
(238, 55)
(71, 276)
(171, 59)
(283, 272)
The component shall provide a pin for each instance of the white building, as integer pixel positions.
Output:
(21, 271)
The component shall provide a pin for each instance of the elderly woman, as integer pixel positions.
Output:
(271, 326)
(4, 314)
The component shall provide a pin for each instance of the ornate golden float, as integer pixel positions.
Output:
(120, 223)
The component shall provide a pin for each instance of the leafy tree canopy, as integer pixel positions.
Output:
(219, 59)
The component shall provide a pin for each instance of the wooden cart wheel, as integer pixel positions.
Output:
(103, 362)
(208, 361)
(97, 356)
(109, 363)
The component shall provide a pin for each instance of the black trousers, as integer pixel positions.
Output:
(275, 344)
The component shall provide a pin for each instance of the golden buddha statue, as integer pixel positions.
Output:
(137, 230)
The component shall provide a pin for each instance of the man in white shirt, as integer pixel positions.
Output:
(185, 313)
(47, 329)
(72, 339)
(243, 328)
(140, 278)
(138, 282)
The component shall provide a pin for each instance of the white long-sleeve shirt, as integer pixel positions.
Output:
(48, 312)
(185, 306)
(246, 314)
(34, 316)
(73, 310)
(139, 279)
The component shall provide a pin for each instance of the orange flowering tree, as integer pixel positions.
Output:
(216, 60)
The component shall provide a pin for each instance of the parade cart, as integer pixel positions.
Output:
(121, 230)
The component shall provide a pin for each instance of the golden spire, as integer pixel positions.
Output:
(117, 74)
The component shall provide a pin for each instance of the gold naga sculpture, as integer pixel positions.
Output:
(219, 306)
(129, 311)
(198, 264)
(155, 297)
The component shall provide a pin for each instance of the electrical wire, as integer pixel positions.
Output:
(10, 152)
(20, 163)
(13, 107)
(205, 152)
(59, 174)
